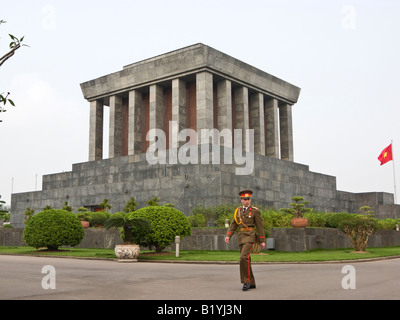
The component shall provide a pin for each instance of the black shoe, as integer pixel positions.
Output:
(252, 286)
(246, 287)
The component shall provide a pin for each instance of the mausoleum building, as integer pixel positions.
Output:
(176, 123)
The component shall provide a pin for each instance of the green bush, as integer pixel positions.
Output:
(166, 223)
(316, 219)
(207, 212)
(335, 219)
(298, 207)
(83, 215)
(223, 212)
(197, 220)
(97, 219)
(276, 219)
(53, 228)
(358, 228)
(4, 216)
(133, 230)
(388, 224)
(273, 218)
(215, 215)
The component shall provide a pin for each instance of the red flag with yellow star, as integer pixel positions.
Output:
(386, 155)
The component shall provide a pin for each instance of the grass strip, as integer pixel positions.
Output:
(315, 255)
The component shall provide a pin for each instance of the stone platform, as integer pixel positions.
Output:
(274, 182)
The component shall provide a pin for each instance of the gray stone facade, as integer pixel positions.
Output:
(274, 182)
(196, 87)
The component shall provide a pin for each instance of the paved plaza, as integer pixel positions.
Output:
(21, 277)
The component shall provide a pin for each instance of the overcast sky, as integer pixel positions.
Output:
(344, 55)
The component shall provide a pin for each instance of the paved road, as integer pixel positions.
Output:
(21, 278)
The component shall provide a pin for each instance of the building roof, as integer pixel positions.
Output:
(183, 63)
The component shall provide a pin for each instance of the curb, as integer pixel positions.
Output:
(274, 262)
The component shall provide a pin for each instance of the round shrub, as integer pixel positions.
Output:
(166, 223)
(337, 218)
(53, 228)
(97, 219)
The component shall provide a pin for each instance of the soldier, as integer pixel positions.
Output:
(246, 218)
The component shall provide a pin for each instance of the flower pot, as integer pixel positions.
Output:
(127, 252)
(299, 222)
(85, 224)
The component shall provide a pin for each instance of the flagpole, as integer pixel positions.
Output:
(394, 177)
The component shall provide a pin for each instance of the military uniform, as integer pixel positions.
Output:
(246, 219)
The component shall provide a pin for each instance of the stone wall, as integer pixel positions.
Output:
(274, 182)
(285, 239)
(11, 237)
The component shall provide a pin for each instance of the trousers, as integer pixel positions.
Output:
(246, 273)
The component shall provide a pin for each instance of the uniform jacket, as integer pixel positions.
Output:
(248, 219)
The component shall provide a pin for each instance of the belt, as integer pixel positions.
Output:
(246, 229)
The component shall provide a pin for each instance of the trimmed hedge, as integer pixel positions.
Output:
(53, 228)
(273, 218)
(97, 219)
(166, 223)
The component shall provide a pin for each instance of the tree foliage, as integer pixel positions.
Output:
(166, 223)
(358, 228)
(153, 201)
(14, 45)
(4, 214)
(134, 229)
(53, 228)
(28, 214)
(131, 205)
(298, 208)
(104, 205)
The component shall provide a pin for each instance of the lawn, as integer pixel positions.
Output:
(73, 252)
(278, 256)
(227, 256)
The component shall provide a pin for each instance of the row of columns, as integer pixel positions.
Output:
(270, 118)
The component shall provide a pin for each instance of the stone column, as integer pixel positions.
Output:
(204, 101)
(156, 118)
(271, 127)
(286, 132)
(241, 105)
(178, 110)
(257, 122)
(135, 122)
(96, 130)
(115, 134)
(224, 103)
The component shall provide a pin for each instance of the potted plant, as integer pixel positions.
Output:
(298, 211)
(84, 216)
(133, 230)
